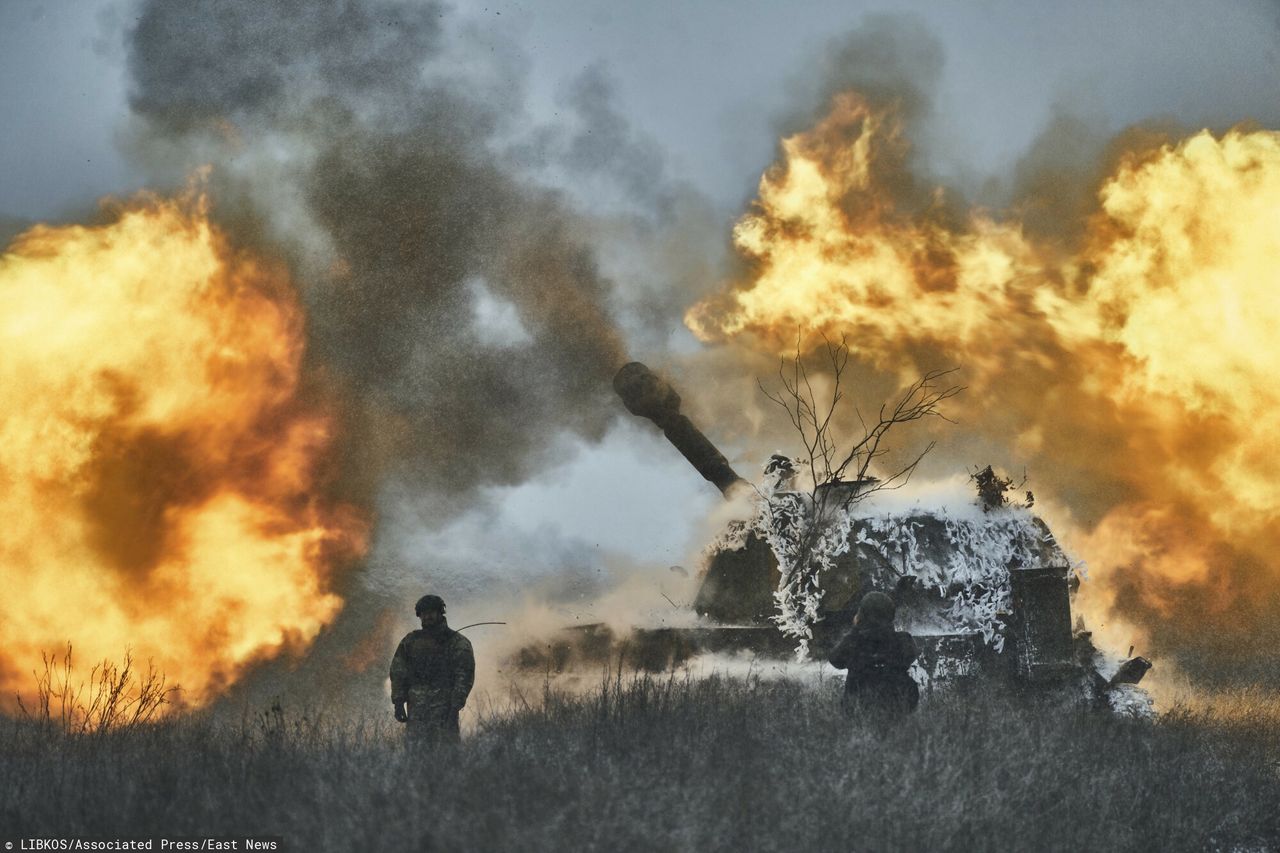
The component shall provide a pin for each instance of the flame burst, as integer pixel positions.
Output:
(1132, 370)
(158, 465)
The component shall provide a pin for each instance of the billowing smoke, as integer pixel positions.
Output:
(350, 129)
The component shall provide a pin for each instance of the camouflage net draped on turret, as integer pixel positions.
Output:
(962, 555)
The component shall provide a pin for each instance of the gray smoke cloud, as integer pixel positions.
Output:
(889, 58)
(387, 167)
(451, 301)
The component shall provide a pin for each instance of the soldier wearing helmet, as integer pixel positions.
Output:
(431, 676)
(878, 658)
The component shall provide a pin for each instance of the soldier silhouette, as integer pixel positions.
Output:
(878, 659)
(431, 676)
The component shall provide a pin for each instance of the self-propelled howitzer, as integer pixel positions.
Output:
(985, 592)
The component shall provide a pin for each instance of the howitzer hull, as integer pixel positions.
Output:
(945, 659)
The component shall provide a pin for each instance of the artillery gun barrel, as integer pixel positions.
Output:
(646, 395)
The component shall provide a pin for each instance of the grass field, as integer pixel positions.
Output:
(658, 764)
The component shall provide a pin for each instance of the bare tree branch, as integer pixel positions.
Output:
(833, 459)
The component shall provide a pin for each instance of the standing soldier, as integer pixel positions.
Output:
(878, 658)
(432, 672)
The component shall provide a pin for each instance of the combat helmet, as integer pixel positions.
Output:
(429, 602)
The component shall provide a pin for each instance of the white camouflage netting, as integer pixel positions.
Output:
(964, 555)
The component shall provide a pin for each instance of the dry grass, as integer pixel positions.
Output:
(657, 764)
(115, 697)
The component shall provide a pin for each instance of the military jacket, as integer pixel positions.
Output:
(433, 668)
(872, 655)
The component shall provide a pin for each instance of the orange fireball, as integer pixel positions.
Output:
(1132, 371)
(161, 473)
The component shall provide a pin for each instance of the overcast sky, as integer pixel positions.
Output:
(705, 82)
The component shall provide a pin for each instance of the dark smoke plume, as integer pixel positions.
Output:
(390, 167)
(452, 305)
